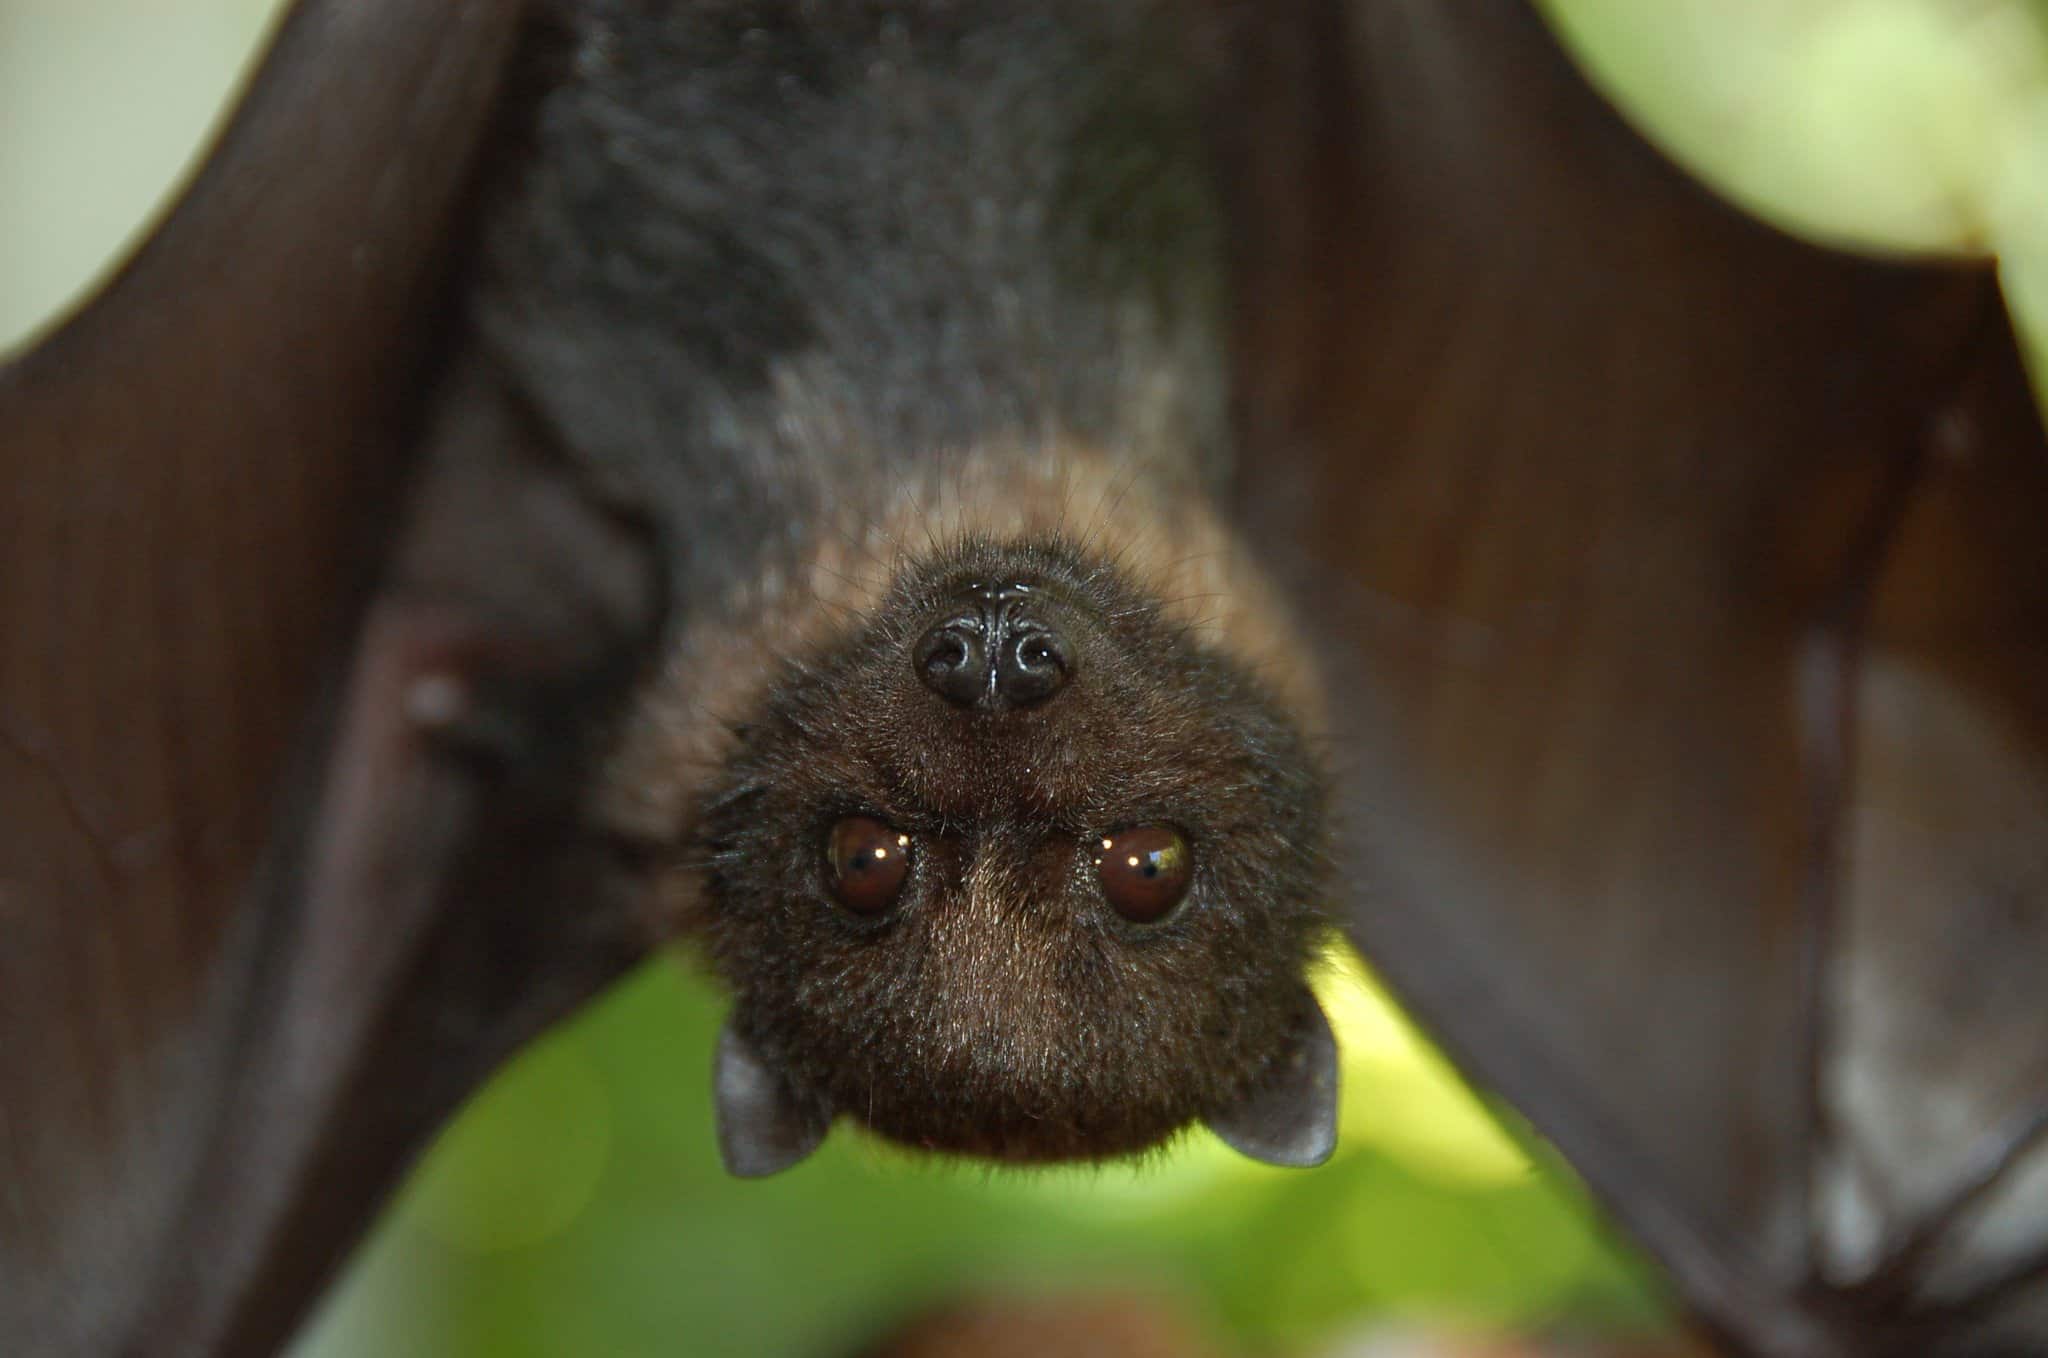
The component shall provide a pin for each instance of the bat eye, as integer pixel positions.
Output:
(869, 861)
(1144, 871)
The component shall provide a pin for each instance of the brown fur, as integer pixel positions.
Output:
(1000, 1008)
(873, 301)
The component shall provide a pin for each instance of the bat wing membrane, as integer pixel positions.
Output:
(1591, 483)
(240, 981)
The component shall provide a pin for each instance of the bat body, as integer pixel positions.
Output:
(906, 324)
(458, 612)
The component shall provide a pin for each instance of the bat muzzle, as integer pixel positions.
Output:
(994, 650)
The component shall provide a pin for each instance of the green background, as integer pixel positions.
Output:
(578, 1208)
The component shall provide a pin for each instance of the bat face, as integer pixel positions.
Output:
(1019, 866)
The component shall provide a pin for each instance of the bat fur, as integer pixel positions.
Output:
(881, 305)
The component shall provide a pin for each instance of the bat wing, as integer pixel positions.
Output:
(1681, 589)
(271, 758)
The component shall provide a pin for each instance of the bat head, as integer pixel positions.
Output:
(1018, 867)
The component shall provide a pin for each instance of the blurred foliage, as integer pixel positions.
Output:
(578, 1207)
(1882, 125)
(1896, 125)
(103, 106)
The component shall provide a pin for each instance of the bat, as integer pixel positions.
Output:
(974, 744)
(1674, 576)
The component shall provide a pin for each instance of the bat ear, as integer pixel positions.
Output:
(763, 1126)
(1290, 1117)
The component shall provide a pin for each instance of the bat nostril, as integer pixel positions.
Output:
(1033, 664)
(952, 661)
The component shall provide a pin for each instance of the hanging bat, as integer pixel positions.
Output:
(1656, 559)
(975, 755)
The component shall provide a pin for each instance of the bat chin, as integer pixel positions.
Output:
(1286, 1117)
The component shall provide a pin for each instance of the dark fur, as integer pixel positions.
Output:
(960, 222)
(1025, 1018)
(764, 265)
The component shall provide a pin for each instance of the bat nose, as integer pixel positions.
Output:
(990, 653)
